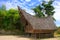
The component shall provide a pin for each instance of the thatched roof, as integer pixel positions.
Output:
(45, 23)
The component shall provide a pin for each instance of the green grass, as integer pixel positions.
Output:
(57, 35)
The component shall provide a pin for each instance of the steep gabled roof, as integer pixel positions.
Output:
(45, 23)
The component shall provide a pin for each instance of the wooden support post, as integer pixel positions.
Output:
(35, 36)
(39, 35)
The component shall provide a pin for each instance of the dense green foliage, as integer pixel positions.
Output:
(38, 11)
(45, 7)
(58, 30)
(9, 19)
(48, 7)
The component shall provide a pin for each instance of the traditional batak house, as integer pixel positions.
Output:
(42, 27)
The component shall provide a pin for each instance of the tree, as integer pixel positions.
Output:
(2, 16)
(11, 19)
(38, 11)
(48, 8)
(8, 18)
(44, 8)
(3, 7)
(58, 30)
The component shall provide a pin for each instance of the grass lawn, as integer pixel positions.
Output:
(57, 35)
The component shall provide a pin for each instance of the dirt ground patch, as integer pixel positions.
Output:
(12, 37)
(58, 38)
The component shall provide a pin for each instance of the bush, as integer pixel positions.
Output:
(10, 20)
(58, 30)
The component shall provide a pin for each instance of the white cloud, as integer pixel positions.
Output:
(30, 11)
(57, 10)
(10, 5)
(57, 14)
(56, 4)
(22, 0)
(47, 0)
(14, 4)
(32, 4)
(27, 0)
(39, 0)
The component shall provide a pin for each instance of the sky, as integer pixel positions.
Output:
(28, 4)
